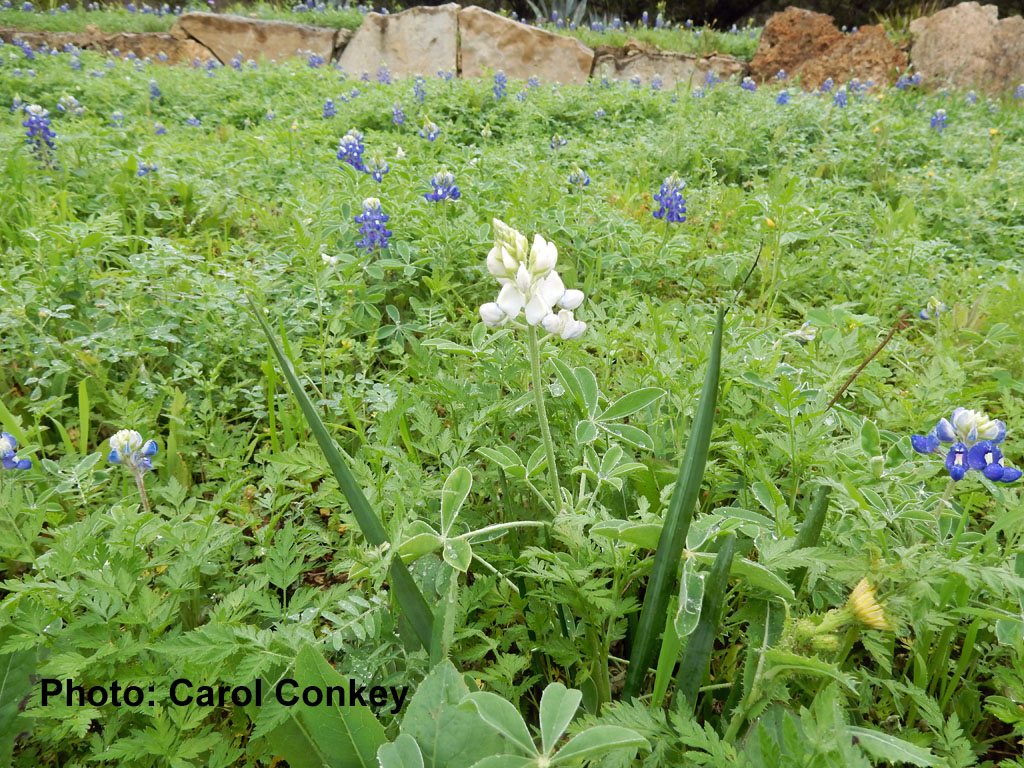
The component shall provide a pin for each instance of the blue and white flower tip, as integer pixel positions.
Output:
(8, 458)
(932, 309)
(128, 449)
(973, 438)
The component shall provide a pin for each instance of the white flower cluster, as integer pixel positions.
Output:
(529, 282)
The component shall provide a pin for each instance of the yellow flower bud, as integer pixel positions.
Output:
(865, 607)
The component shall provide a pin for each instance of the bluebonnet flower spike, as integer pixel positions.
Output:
(128, 449)
(8, 458)
(973, 437)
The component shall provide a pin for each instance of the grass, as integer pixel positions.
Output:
(124, 303)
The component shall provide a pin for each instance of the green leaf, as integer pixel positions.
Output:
(693, 667)
(16, 669)
(691, 598)
(558, 706)
(410, 599)
(335, 736)
(453, 496)
(505, 761)
(642, 534)
(503, 717)
(677, 522)
(598, 740)
(586, 432)
(631, 403)
(629, 433)
(810, 531)
(403, 752)
(588, 388)
(503, 456)
(569, 381)
(458, 554)
(448, 736)
(419, 545)
(755, 574)
(885, 747)
(783, 661)
(869, 438)
(10, 424)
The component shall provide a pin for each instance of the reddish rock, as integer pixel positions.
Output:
(809, 45)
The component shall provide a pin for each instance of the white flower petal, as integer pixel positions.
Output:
(571, 299)
(511, 300)
(536, 310)
(543, 256)
(574, 330)
(551, 289)
(523, 279)
(492, 315)
(552, 323)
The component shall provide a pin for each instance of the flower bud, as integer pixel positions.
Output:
(571, 299)
(492, 315)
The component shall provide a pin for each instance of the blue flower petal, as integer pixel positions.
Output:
(944, 431)
(1010, 475)
(8, 462)
(150, 448)
(114, 457)
(24, 464)
(925, 443)
(983, 455)
(1001, 435)
(994, 472)
(956, 461)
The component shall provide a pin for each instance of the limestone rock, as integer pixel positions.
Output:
(227, 35)
(646, 61)
(969, 46)
(490, 43)
(809, 45)
(418, 41)
(152, 44)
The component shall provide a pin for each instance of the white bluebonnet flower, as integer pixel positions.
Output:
(804, 334)
(973, 439)
(8, 458)
(128, 449)
(529, 284)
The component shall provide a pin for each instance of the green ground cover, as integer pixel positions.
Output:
(843, 601)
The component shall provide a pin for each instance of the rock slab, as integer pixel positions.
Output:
(144, 45)
(969, 46)
(418, 41)
(808, 44)
(491, 43)
(228, 35)
(646, 61)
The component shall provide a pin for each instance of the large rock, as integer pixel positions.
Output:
(144, 45)
(419, 41)
(227, 35)
(490, 43)
(809, 45)
(646, 61)
(969, 46)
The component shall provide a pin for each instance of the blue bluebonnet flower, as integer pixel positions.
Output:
(939, 120)
(329, 109)
(533, 82)
(656, 83)
(971, 98)
(8, 458)
(236, 62)
(372, 223)
(522, 95)
(1018, 92)
(397, 115)
(711, 79)
(193, 121)
(579, 177)
(159, 129)
(429, 131)
(145, 169)
(916, 78)
(748, 84)
(636, 82)
(840, 99)
(673, 204)
(781, 75)
(973, 439)
(70, 105)
(377, 167)
(500, 85)
(643, 18)
(384, 74)
(826, 87)
(698, 92)
(116, 118)
(314, 60)
(444, 187)
(599, 113)
(75, 63)
(782, 99)
(932, 309)
(351, 148)
(419, 91)
(558, 142)
(128, 449)
(38, 134)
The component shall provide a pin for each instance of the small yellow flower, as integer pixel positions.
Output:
(866, 608)
(295, 126)
(769, 222)
(993, 131)
(877, 129)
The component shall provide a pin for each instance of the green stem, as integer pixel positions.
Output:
(542, 415)
(142, 491)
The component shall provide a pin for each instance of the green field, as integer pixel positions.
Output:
(472, 513)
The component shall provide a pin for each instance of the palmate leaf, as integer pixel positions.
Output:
(677, 522)
(410, 599)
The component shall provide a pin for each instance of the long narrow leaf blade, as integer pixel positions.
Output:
(410, 599)
(810, 531)
(697, 656)
(677, 523)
